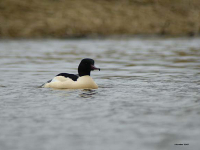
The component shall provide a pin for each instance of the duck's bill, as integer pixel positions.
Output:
(94, 68)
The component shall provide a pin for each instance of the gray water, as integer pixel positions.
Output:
(148, 96)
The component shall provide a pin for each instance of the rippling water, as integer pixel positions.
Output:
(148, 96)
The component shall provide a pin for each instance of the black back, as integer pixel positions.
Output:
(67, 75)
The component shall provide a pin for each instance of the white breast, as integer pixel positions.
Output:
(60, 82)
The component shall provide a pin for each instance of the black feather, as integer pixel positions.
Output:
(67, 75)
(45, 83)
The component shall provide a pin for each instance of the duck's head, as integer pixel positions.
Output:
(86, 65)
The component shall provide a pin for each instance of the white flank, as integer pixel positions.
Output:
(60, 82)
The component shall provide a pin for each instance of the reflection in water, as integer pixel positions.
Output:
(88, 93)
(2, 86)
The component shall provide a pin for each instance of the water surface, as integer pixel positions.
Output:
(148, 96)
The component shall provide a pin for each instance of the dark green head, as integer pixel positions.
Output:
(86, 65)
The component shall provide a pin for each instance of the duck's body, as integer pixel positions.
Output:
(61, 82)
(72, 81)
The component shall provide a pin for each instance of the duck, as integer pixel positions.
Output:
(82, 80)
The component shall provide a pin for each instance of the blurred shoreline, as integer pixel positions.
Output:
(98, 18)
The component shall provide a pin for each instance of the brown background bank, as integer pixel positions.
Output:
(79, 18)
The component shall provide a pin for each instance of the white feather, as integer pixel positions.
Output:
(60, 82)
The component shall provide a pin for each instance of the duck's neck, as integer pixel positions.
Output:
(83, 73)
